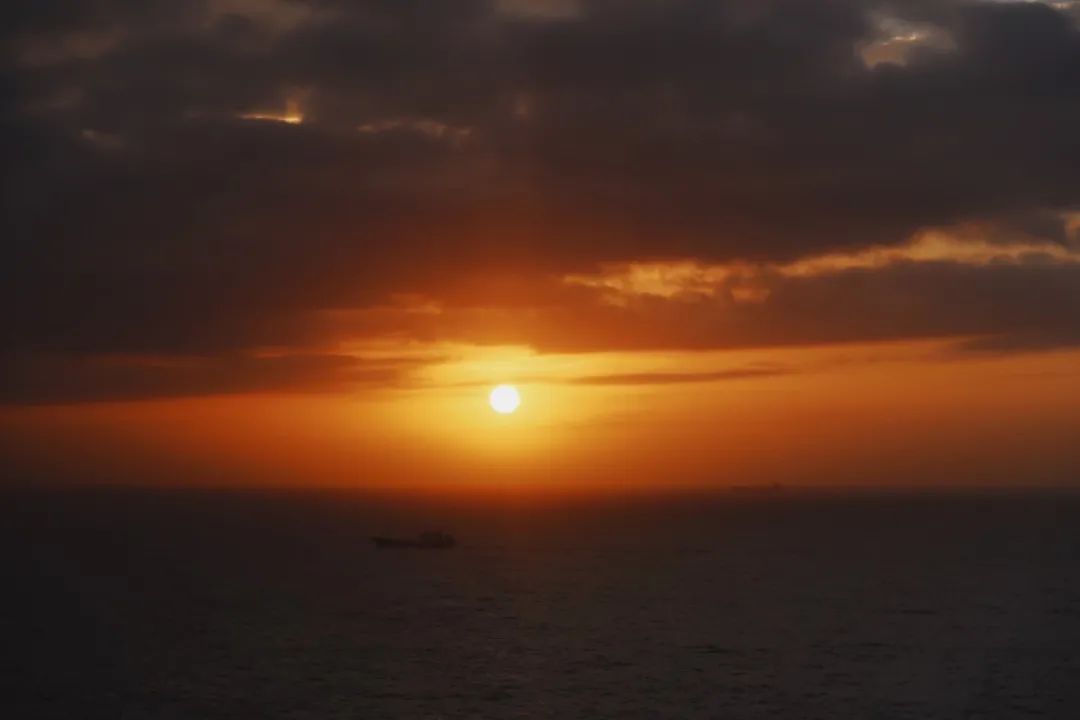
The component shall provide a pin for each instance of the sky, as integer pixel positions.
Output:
(713, 243)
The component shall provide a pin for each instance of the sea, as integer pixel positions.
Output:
(200, 604)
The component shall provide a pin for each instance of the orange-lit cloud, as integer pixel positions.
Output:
(291, 115)
(897, 42)
(746, 282)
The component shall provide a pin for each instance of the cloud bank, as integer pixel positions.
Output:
(202, 181)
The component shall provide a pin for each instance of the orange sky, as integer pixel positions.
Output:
(884, 414)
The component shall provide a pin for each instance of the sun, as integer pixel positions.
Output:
(504, 399)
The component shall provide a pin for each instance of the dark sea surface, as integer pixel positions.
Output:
(154, 605)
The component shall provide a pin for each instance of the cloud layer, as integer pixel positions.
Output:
(209, 179)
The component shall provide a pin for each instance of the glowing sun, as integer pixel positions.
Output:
(504, 399)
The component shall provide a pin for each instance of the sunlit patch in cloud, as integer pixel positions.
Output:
(292, 115)
(935, 246)
(897, 41)
(659, 279)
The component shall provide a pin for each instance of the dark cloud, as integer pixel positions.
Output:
(44, 379)
(660, 378)
(141, 213)
(748, 372)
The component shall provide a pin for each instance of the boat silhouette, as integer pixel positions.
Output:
(430, 540)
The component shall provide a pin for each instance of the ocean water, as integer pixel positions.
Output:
(155, 605)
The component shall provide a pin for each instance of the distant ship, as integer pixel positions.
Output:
(431, 540)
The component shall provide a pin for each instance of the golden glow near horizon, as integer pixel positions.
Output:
(504, 399)
(864, 414)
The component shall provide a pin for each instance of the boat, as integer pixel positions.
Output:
(430, 540)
